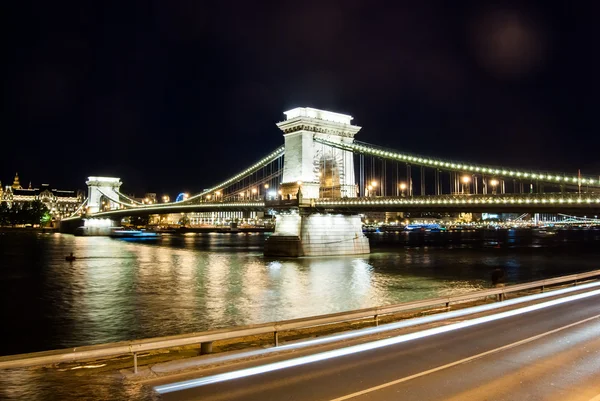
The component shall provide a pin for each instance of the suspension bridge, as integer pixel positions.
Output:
(321, 179)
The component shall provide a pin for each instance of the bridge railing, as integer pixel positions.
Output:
(134, 347)
(547, 195)
(548, 199)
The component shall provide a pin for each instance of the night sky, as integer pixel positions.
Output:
(175, 96)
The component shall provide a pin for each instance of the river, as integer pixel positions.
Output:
(119, 290)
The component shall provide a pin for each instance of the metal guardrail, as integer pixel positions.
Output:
(206, 338)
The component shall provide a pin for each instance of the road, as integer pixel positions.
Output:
(551, 353)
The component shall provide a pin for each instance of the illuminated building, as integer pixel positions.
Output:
(60, 203)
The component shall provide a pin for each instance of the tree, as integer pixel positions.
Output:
(34, 212)
(25, 213)
(4, 214)
(46, 219)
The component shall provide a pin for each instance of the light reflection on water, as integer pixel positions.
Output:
(45, 385)
(119, 290)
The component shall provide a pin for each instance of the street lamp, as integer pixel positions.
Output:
(266, 186)
(373, 186)
(494, 183)
(254, 191)
(402, 188)
(466, 180)
(369, 189)
(217, 194)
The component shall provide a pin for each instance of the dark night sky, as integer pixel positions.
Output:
(178, 95)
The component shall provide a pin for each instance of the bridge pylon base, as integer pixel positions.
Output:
(317, 234)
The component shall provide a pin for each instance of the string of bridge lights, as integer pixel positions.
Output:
(506, 200)
(180, 207)
(258, 165)
(557, 178)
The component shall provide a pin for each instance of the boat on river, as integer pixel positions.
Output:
(132, 233)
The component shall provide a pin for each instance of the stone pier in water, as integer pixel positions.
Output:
(317, 235)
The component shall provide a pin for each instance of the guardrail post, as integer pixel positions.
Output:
(206, 348)
(376, 318)
(135, 370)
(276, 338)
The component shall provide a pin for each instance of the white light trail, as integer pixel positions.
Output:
(188, 384)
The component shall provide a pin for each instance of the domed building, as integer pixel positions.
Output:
(60, 203)
(16, 184)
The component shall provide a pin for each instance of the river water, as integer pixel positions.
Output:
(118, 290)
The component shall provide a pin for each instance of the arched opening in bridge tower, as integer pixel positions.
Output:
(105, 204)
(329, 179)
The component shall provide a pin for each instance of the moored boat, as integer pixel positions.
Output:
(129, 233)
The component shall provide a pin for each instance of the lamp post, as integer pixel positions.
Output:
(494, 184)
(402, 189)
(374, 185)
(466, 180)
(254, 192)
(217, 194)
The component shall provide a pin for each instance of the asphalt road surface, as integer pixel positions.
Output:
(546, 354)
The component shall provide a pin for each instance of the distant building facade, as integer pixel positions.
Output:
(60, 203)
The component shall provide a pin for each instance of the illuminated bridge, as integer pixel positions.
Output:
(319, 182)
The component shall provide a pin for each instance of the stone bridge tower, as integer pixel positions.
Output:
(98, 187)
(320, 170)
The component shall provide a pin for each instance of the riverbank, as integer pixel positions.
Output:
(176, 360)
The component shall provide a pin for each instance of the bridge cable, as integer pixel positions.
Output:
(557, 178)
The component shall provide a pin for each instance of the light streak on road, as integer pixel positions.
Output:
(188, 384)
